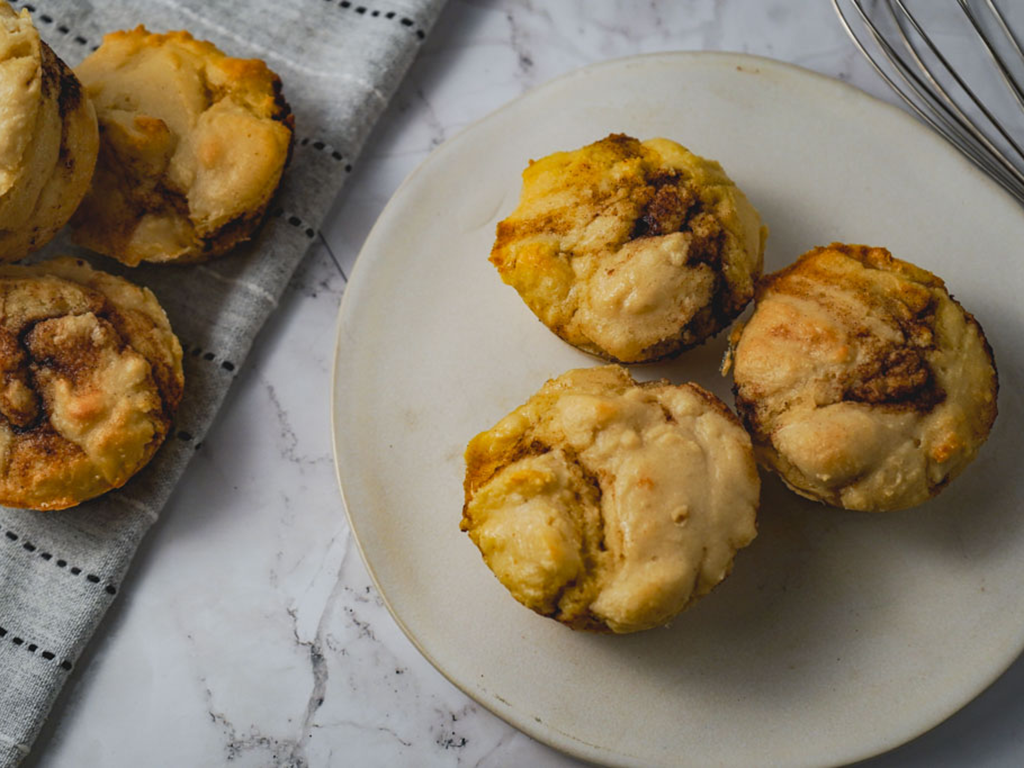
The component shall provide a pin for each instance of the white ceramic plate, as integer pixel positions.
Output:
(839, 635)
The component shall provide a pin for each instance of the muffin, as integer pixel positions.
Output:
(90, 379)
(48, 139)
(610, 505)
(632, 251)
(193, 144)
(863, 383)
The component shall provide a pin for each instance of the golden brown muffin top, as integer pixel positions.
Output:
(48, 138)
(90, 377)
(631, 250)
(864, 382)
(20, 91)
(611, 505)
(194, 144)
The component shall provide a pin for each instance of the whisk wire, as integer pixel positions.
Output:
(936, 96)
(1007, 74)
(961, 129)
(1001, 21)
(922, 89)
(951, 71)
(939, 117)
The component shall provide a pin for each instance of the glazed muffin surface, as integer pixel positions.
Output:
(48, 139)
(862, 382)
(610, 505)
(629, 250)
(193, 147)
(90, 378)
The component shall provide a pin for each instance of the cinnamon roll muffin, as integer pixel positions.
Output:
(863, 383)
(632, 251)
(90, 379)
(193, 145)
(48, 138)
(610, 505)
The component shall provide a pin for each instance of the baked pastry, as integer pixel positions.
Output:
(193, 144)
(90, 378)
(610, 505)
(862, 382)
(48, 139)
(631, 251)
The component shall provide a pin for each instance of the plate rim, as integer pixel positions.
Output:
(543, 732)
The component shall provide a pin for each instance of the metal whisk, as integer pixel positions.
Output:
(943, 63)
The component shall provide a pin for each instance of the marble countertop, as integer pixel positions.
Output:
(249, 630)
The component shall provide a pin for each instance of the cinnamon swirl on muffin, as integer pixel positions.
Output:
(863, 383)
(629, 250)
(610, 505)
(90, 379)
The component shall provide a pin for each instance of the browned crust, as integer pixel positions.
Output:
(70, 96)
(40, 445)
(283, 114)
(221, 240)
(51, 73)
(872, 257)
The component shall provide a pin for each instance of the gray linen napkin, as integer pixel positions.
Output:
(340, 62)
